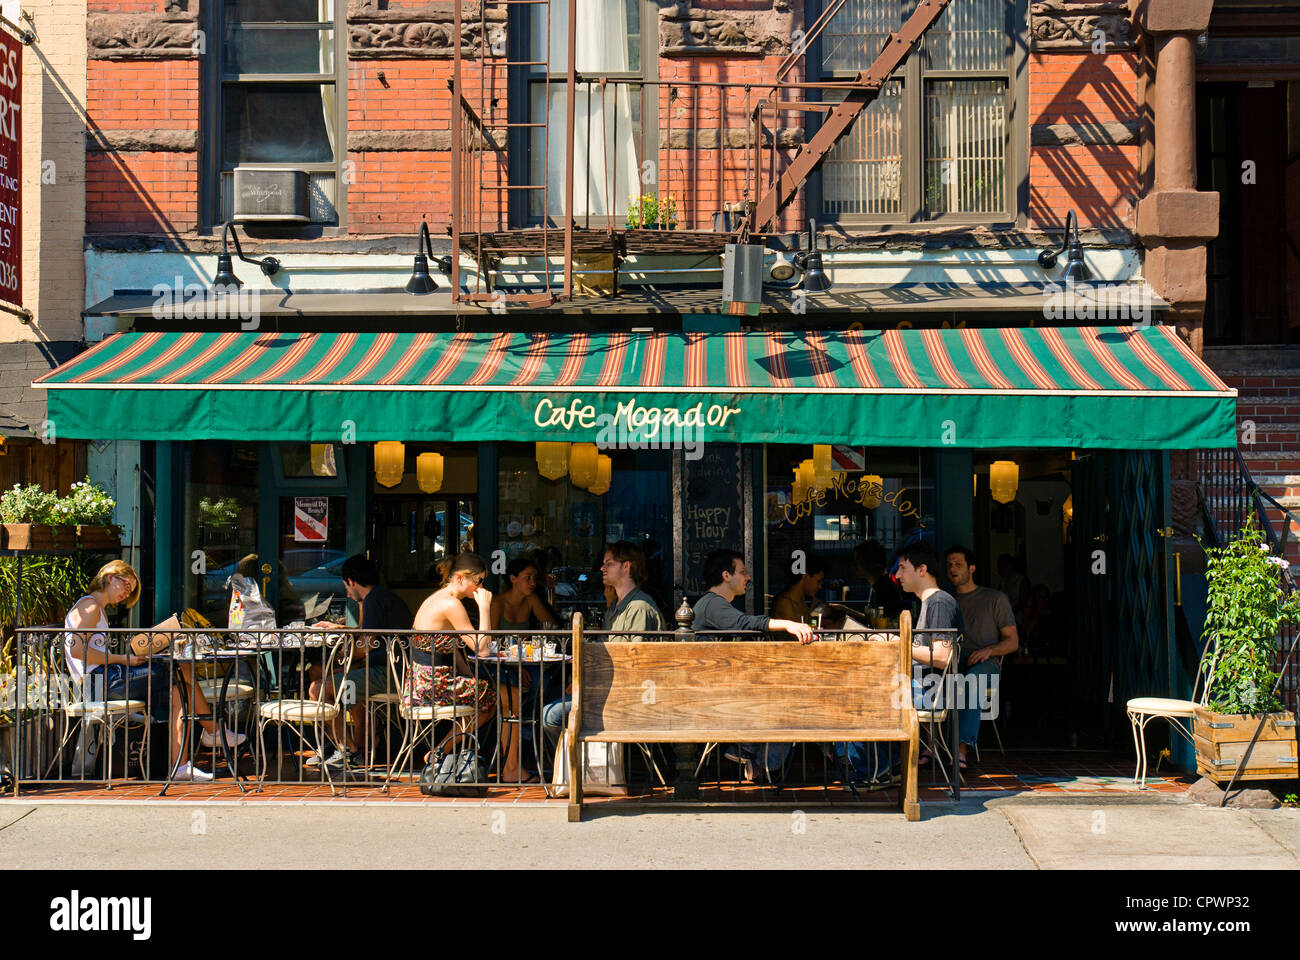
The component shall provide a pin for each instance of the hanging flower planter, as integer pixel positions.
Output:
(39, 537)
(99, 537)
(35, 520)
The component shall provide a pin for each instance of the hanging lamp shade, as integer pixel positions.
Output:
(822, 464)
(872, 491)
(390, 462)
(428, 472)
(583, 464)
(552, 459)
(1067, 510)
(1004, 480)
(974, 484)
(322, 460)
(604, 474)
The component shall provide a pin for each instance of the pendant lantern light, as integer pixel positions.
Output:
(604, 474)
(552, 459)
(583, 464)
(1004, 480)
(821, 460)
(872, 491)
(390, 462)
(428, 472)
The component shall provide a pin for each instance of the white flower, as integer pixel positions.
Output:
(1279, 562)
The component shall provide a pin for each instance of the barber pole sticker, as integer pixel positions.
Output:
(848, 459)
(311, 519)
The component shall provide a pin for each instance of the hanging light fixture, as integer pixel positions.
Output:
(873, 491)
(974, 484)
(552, 459)
(390, 462)
(583, 464)
(1004, 480)
(421, 282)
(225, 281)
(322, 460)
(428, 472)
(822, 464)
(604, 474)
(1067, 509)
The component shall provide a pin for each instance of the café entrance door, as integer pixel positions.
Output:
(307, 527)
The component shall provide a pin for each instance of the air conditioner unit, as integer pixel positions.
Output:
(276, 196)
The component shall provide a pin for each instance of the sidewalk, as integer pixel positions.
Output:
(982, 832)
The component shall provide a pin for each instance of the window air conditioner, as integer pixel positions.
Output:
(263, 195)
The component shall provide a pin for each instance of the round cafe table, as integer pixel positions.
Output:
(494, 667)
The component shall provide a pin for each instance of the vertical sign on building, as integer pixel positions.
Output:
(11, 166)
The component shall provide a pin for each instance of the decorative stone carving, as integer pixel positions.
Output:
(396, 141)
(684, 29)
(376, 32)
(170, 35)
(1072, 24)
(142, 141)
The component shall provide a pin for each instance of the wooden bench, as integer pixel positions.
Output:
(762, 692)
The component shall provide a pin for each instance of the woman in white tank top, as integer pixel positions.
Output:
(124, 676)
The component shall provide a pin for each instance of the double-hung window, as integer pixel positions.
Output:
(938, 143)
(615, 123)
(275, 96)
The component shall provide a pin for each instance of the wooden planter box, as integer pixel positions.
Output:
(38, 537)
(1221, 741)
(106, 539)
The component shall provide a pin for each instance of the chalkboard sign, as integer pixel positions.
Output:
(714, 509)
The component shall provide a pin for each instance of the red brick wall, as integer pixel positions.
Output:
(1100, 182)
(137, 191)
(388, 191)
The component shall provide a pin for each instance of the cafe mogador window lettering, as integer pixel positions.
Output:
(864, 494)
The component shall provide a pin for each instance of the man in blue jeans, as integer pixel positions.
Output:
(990, 634)
(633, 612)
(918, 569)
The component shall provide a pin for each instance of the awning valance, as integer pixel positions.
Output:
(1107, 387)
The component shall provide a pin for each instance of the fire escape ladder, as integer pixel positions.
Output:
(866, 87)
(480, 130)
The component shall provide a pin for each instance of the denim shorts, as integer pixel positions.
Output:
(150, 682)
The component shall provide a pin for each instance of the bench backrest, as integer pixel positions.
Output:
(711, 687)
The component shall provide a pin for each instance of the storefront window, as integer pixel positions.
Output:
(569, 527)
(877, 496)
(220, 521)
(412, 531)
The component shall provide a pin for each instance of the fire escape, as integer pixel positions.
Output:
(481, 132)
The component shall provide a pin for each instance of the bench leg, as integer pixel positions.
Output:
(911, 751)
(575, 780)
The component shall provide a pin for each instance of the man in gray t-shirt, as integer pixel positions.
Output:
(990, 634)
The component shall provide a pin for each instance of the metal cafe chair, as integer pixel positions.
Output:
(80, 711)
(986, 704)
(1142, 710)
(419, 720)
(934, 718)
(317, 711)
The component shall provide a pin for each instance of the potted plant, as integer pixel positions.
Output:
(90, 508)
(1246, 608)
(651, 212)
(31, 518)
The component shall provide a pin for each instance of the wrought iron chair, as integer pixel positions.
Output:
(317, 711)
(419, 720)
(934, 718)
(81, 709)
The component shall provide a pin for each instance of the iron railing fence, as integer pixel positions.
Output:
(282, 695)
(1228, 496)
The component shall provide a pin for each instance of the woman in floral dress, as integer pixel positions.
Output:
(440, 674)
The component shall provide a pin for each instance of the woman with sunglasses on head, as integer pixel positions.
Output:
(439, 673)
(127, 676)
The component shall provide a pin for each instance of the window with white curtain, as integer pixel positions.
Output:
(614, 125)
(934, 145)
(277, 65)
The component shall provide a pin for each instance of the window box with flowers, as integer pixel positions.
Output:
(1247, 608)
(36, 520)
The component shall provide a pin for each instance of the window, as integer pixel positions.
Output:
(274, 91)
(615, 127)
(937, 143)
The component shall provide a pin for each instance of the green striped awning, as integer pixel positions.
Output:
(1100, 387)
